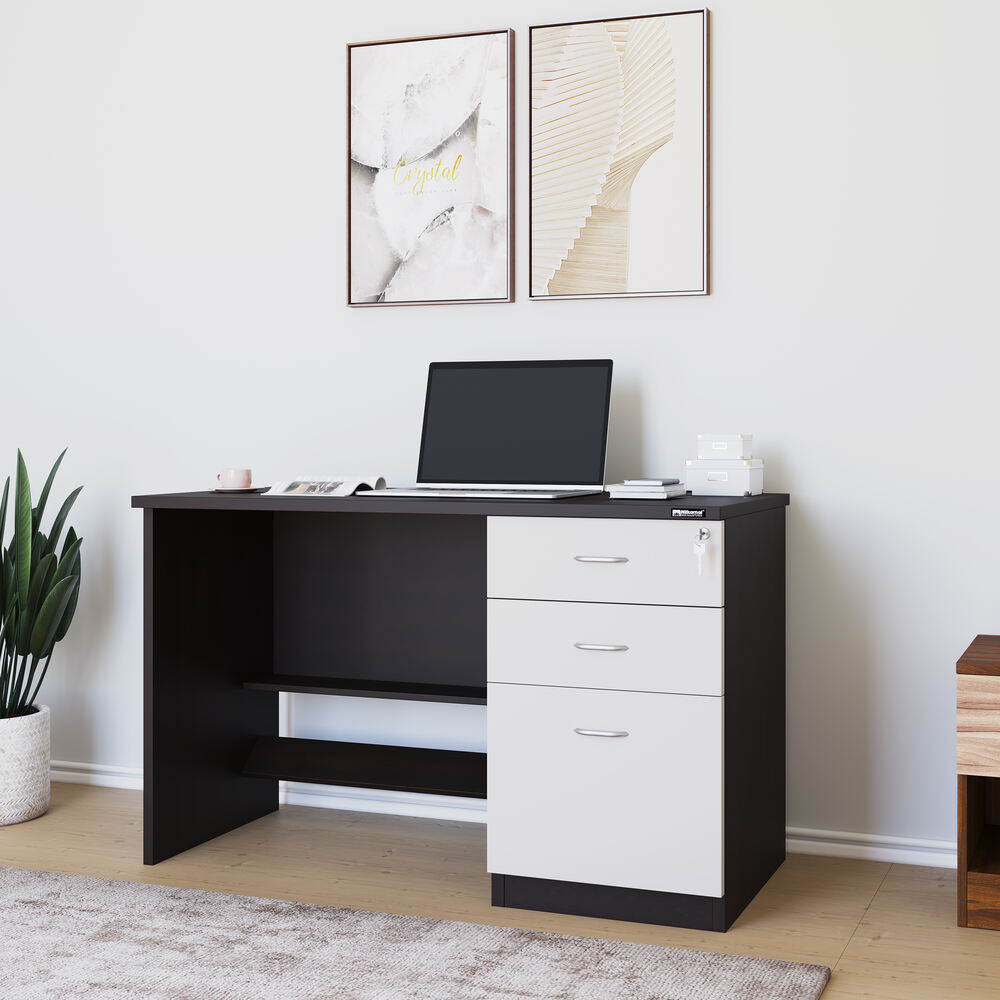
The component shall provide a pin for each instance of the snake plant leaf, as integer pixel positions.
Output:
(40, 508)
(72, 568)
(67, 561)
(50, 616)
(41, 582)
(22, 532)
(8, 617)
(38, 541)
(57, 524)
(67, 617)
(7, 635)
(7, 590)
(5, 628)
(3, 509)
(70, 539)
(38, 588)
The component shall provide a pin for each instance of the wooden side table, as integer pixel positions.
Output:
(978, 760)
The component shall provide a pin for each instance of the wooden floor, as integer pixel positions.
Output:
(887, 930)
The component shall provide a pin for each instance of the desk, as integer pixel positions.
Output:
(474, 602)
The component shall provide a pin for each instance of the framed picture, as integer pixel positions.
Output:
(619, 157)
(430, 170)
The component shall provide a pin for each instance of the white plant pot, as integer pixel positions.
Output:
(24, 766)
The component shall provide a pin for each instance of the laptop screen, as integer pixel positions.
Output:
(526, 423)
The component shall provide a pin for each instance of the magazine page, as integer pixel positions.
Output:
(326, 486)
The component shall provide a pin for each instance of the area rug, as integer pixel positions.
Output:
(68, 936)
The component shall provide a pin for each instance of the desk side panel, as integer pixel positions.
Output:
(755, 705)
(207, 609)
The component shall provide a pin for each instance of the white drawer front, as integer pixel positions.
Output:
(642, 811)
(603, 560)
(627, 647)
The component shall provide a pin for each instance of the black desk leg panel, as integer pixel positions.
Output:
(208, 626)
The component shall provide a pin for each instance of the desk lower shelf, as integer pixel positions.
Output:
(412, 691)
(985, 858)
(979, 851)
(365, 765)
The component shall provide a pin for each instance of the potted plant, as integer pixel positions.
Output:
(39, 586)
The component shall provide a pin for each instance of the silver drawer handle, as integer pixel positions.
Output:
(602, 559)
(613, 733)
(603, 647)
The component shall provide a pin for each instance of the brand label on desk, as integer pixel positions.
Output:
(688, 512)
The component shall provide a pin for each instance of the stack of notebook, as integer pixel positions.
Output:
(646, 489)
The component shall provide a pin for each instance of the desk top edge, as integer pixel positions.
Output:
(715, 508)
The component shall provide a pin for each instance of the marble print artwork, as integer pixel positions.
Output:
(429, 170)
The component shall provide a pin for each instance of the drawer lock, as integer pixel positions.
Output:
(699, 546)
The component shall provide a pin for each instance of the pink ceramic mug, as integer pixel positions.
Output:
(234, 479)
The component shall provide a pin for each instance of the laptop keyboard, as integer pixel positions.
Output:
(486, 493)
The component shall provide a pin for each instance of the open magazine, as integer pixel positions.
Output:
(326, 486)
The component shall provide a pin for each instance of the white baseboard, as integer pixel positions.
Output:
(872, 847)
(830, 843)
(96, 774)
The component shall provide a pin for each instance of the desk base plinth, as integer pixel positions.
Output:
(580, 899)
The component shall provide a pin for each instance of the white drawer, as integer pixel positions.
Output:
(642, 811)
(603, 560)
(627, 647)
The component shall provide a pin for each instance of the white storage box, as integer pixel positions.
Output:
(734, 478)
(727, 446)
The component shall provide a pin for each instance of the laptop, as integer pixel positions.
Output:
(512, 430)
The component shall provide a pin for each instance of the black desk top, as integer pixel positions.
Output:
(715, 508)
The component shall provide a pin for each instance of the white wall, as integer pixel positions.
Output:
(172, 182)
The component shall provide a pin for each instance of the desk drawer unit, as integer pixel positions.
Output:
(596, 560)
(628, 647)
(606, 787)
(608, 663)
